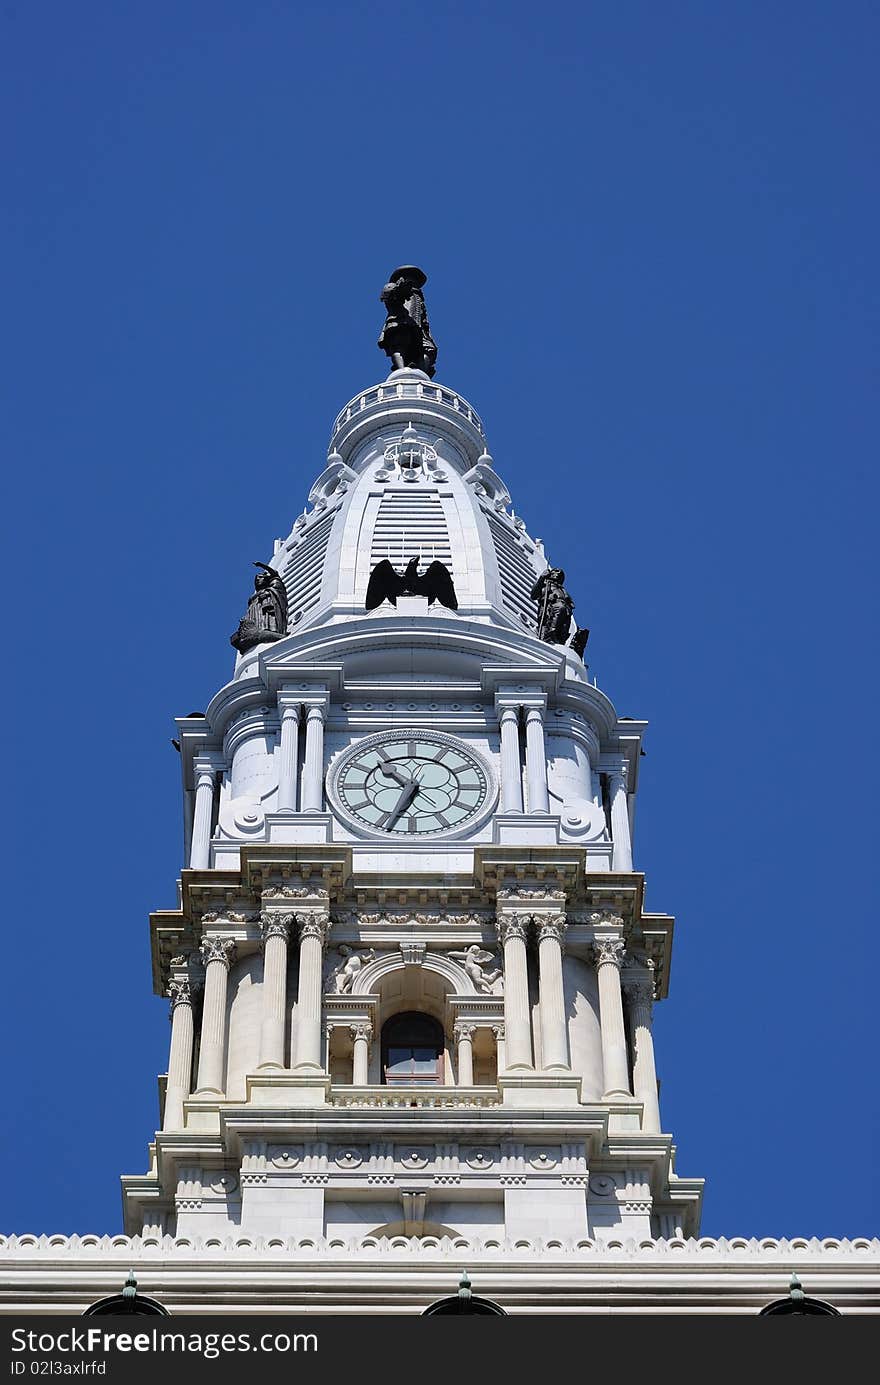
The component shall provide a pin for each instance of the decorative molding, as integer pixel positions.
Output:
(605, 919)
(295, 892)
(532, 893)
(856, 1256)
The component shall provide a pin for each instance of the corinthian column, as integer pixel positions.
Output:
(464, 1038)
(554, 1040)
(313, 930)
(621, 842)
(275, 930)
(205, 771)
(288, 755)
(511, 772)
(180, 1057)
(361, 1034)
(500, 1047)
(608, 953)
(639, 998)
(536, 761)
(217, 955)
(313, 766)
(512, 930)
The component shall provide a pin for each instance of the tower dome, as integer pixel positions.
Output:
(408, 475)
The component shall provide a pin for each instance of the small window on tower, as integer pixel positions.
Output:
(412, 1050)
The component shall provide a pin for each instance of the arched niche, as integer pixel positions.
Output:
(424, 986)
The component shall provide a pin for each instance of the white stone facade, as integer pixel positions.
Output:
(505, 916)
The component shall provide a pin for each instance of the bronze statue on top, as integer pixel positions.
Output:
(266, 617)
(556, 611)
(406, 337)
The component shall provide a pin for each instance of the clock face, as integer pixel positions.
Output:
(412, 782)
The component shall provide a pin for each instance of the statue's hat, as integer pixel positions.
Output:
(410, 272)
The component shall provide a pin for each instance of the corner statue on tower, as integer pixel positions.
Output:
(266, 617)
(406, 337)
(556, 610)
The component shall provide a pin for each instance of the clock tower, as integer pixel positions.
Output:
(411, 972)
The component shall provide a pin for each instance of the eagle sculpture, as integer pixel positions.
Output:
(387, 584)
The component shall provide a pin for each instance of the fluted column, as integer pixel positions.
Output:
(554, 1039)
(621, 842)
(313, 766)
(536, 761)
(217, 955)
(512, 932)
(464, 1039)
(511, 770)
(180, 1058)
(275, 931)
(288, 756)
(361, 1034)
(500, 1047)
(205, 771)
(313, 930)
(639, 1001)
(608, 953)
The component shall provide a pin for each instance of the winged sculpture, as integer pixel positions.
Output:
(387, 584)
(474, 959)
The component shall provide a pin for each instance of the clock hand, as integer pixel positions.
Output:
(406, 797)
(390, 769)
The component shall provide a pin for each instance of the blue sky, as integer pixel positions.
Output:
(651, 232)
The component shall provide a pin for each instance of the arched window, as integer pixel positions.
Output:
(412, 1050)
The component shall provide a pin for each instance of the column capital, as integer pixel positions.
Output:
(314, 924)
(639, 993)
(507, 711)
(179, 992)
(206, 766)
(463, 1029)
(214, 949)
(361, 1029)
(290, 706)
(316, 711)
(619, 775)
(551, 926)
(275, 925)
(499, 1031)
(608, 950)
(512, 926)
